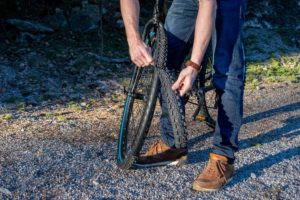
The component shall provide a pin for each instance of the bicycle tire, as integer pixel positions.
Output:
(175, 105)
(126, 155)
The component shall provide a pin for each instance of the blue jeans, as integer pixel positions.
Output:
(229, 66)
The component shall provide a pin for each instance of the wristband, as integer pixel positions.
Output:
(193, 65)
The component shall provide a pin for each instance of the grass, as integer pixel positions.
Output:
(21, 106)
(7, 116)
(74, 106)
(49, 114)
(283, 69)
(90, 103)
(61, 118)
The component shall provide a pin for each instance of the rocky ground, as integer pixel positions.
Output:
(44, 157)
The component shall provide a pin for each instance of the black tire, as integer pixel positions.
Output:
(134, 128)
(175, 105)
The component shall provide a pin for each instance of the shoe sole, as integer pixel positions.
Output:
(201, 189)
(178, 162)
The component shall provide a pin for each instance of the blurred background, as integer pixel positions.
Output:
(62, 50)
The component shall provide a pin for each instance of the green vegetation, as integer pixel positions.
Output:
(90, 104)
(48, 114)
(61, 118)
(21, 107)
(7, 116)
(285, 69)
(74, 106)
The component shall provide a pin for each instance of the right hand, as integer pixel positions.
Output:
(185, 80)
(140, 53)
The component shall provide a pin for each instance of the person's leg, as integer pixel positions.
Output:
(179, 25)
(229, 76)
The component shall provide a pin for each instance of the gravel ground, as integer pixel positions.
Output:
(267, 165)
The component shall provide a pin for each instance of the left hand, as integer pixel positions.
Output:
(185, 80)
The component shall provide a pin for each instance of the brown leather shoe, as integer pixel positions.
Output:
(160, 154)
(216, 174)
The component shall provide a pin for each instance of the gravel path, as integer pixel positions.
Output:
(267, 165)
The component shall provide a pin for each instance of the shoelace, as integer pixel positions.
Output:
(155, 147)
(220, 169)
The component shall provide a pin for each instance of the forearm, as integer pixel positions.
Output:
(203, 30)
(130, 10)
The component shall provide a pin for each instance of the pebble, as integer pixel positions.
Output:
(111, 110)
(253, 176)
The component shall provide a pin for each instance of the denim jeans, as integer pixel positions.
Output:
(228, 63)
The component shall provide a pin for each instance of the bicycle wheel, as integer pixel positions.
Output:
(139, 107)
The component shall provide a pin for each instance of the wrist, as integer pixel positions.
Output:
(134, 38)
(194, 60)
(194, 65)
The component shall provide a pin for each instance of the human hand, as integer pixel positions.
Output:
(140, 53)
(185, 80)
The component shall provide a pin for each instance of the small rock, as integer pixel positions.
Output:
(104, 11)
(7, 76)
(95, 183)
(258, 88)
(102, 86)
(114, 85)
(53, 87)
(58, 21)
(254, 23)
(5, 191)
(22, 65)
(25, 37)
(36, 60)
(31, 100)
(253, 176)
(290, 168)
(117, 15)
(120, 24)
(75, 96)
(284, 139)
(111, 110)
(83, 104)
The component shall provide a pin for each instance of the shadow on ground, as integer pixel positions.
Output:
(272, 112)
(258, 167)
(289, 130)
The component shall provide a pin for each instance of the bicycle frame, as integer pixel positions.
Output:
(159, 15)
